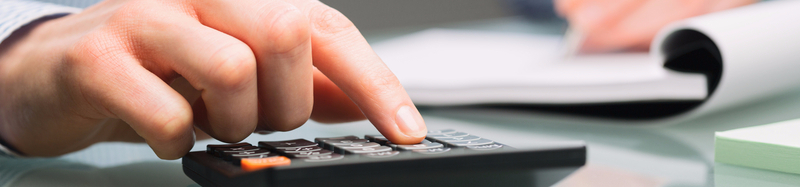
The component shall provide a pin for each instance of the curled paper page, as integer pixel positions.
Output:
(758, 46)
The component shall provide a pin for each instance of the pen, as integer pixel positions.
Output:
(573, 40)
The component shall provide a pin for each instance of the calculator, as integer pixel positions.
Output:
(445, 157)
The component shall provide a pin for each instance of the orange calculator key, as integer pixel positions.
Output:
(251, 164)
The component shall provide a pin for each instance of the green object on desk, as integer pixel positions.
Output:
(773, 146)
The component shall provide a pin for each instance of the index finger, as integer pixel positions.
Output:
(341, 53)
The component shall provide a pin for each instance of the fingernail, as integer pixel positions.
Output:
(410, 122)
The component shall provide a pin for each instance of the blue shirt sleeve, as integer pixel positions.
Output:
(16, 13)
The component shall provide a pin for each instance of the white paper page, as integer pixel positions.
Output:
(451, 67)
(781, 133)
(760, 48)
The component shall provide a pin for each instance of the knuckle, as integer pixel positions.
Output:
(131, 13)
(142, 16)
(287, 29)
(327, 20)
(93, 49)
(234, 67)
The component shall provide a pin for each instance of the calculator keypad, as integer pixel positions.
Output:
(277, 153)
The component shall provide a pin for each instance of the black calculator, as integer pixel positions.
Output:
(445, 157)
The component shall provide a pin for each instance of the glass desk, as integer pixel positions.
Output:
(620, 153)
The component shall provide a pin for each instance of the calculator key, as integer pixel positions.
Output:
(373, 136)
(237, 149)
(237, 160)
(323, 158)
(210, 148)
(433, 150)
(300, 149)
(342, 149)
(336, 138)
(251, 164)
(485, 147)
(456, 139)
(320, 151)
(470, 143)
(358, 145)
(310, 153)
(286, 144)
(458, 134)
(424, 141)
(439, 132)
(382, 154)
(344, 142)
(228, 155)
(420, 146)
(221, 151)
(369, 149)
(381, 141)
(377, 139)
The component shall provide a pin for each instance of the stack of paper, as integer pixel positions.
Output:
(773, 147)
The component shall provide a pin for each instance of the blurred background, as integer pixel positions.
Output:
(377, 15)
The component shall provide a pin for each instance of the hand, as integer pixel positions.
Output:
(612, 25)
(160, 71)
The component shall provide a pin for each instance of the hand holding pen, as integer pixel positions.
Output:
(615, 25)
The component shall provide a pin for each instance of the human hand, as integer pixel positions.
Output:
(155, 70)
(613, 25)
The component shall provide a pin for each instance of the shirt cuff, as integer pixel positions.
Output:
(15, 14)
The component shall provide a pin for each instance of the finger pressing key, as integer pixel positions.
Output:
(344, 56)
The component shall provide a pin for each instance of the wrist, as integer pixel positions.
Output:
(14, 51)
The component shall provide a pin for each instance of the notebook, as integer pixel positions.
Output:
(716, 60)
(456, 67)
